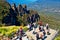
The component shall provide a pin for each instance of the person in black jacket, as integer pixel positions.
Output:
(37, 36)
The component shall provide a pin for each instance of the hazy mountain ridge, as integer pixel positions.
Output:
(48, 7)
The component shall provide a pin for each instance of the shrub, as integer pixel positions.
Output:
(57, 38)
(7, 31)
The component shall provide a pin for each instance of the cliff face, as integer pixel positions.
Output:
(18, 15)
(12, 15)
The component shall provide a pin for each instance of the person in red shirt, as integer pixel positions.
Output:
(40, 23)
(21, 33)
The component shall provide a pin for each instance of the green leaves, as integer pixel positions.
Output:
(10, 29)
(3, 6)
(57, 38)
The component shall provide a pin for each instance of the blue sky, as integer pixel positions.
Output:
(20, 1)
(49, 2)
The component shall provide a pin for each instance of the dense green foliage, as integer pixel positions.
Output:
(8, 30)
(57, 38)
(3, 6)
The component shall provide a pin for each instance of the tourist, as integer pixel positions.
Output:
(35, 25)
(41, 28)
(41, 35)
(34, 28)
(47, 27)
(40, 23)
(21, 33)
(37, 36)
(31, 26)
(48, 33)
(44, 32)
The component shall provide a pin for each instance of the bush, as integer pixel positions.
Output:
(7, 31)
(25, 29)
(57, 38)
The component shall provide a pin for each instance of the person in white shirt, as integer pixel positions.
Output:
(41, 28)
(47, 27)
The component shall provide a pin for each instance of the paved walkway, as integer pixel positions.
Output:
(52, 35)
(49, 37)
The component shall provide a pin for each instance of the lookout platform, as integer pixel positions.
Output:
(52, 35)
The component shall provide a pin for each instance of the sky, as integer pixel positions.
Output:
(20, 1)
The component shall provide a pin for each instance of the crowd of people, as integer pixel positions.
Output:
(40, 34)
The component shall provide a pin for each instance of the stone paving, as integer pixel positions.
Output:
(49, 37)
